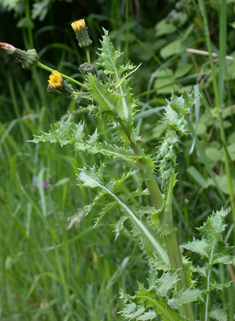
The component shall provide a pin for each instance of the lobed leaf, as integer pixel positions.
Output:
(210, 246)
(64, 132)
(185, 297)
(145, 304)
(107, 101)
(218, 314)
(119, 86)
(152, 243)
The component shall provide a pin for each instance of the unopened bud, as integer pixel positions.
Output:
(102, 76)
(87, 68)
(9, 49)
(28, 58)
(82, 101)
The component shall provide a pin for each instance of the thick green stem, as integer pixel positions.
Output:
(152, 186)
(171, 242)
(40, 65)
(174, 251)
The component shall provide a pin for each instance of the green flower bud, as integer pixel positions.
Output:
(28, 58)
(82, 101)
(81, 33)
(102, 76)
(87, 68)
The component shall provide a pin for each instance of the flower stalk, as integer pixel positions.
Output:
(40, 65)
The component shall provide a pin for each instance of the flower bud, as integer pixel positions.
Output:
(28, 58)
(9, 49)
(102, 76)
(81, 33)
(87, 68)
(58, 86)
(82, 101)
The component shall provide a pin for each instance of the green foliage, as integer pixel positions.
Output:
(113, 102)
(154, 246)
(160, 299)
(122, 99)
(175, 111)
(67, 132)
(9, 4)
(51, 273)
(210, 247)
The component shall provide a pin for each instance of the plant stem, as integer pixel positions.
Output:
(173, 250)
(29, 28)
(208, 284)
(40, 65)
(171, 242)
(88, 56)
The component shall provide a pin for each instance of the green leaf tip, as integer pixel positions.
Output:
(210, 247)
(63, 132)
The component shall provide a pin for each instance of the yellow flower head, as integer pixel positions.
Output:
(58, 86)
(81, 33)
(78, 25)
(56, 80)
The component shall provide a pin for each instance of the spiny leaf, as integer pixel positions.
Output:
(145, 164)
(218, 314)
(126, 76)
(138, 193)
(145, 302)
(166, 283)
(124, 177)
(185, 297)
(150, 315)
(64, 132)
(199, 246)
(175, 112)
(108, 58)
(152, 244)
(105, 210)
(107, 101)
(175, 117)
(127, 105)
(210, 246)
(119, 225)
(219, 286)
(104, 149)
(67, 132)
(214, 225)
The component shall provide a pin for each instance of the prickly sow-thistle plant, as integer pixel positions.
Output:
(106, 93)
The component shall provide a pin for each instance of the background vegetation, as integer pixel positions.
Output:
(54, 264)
